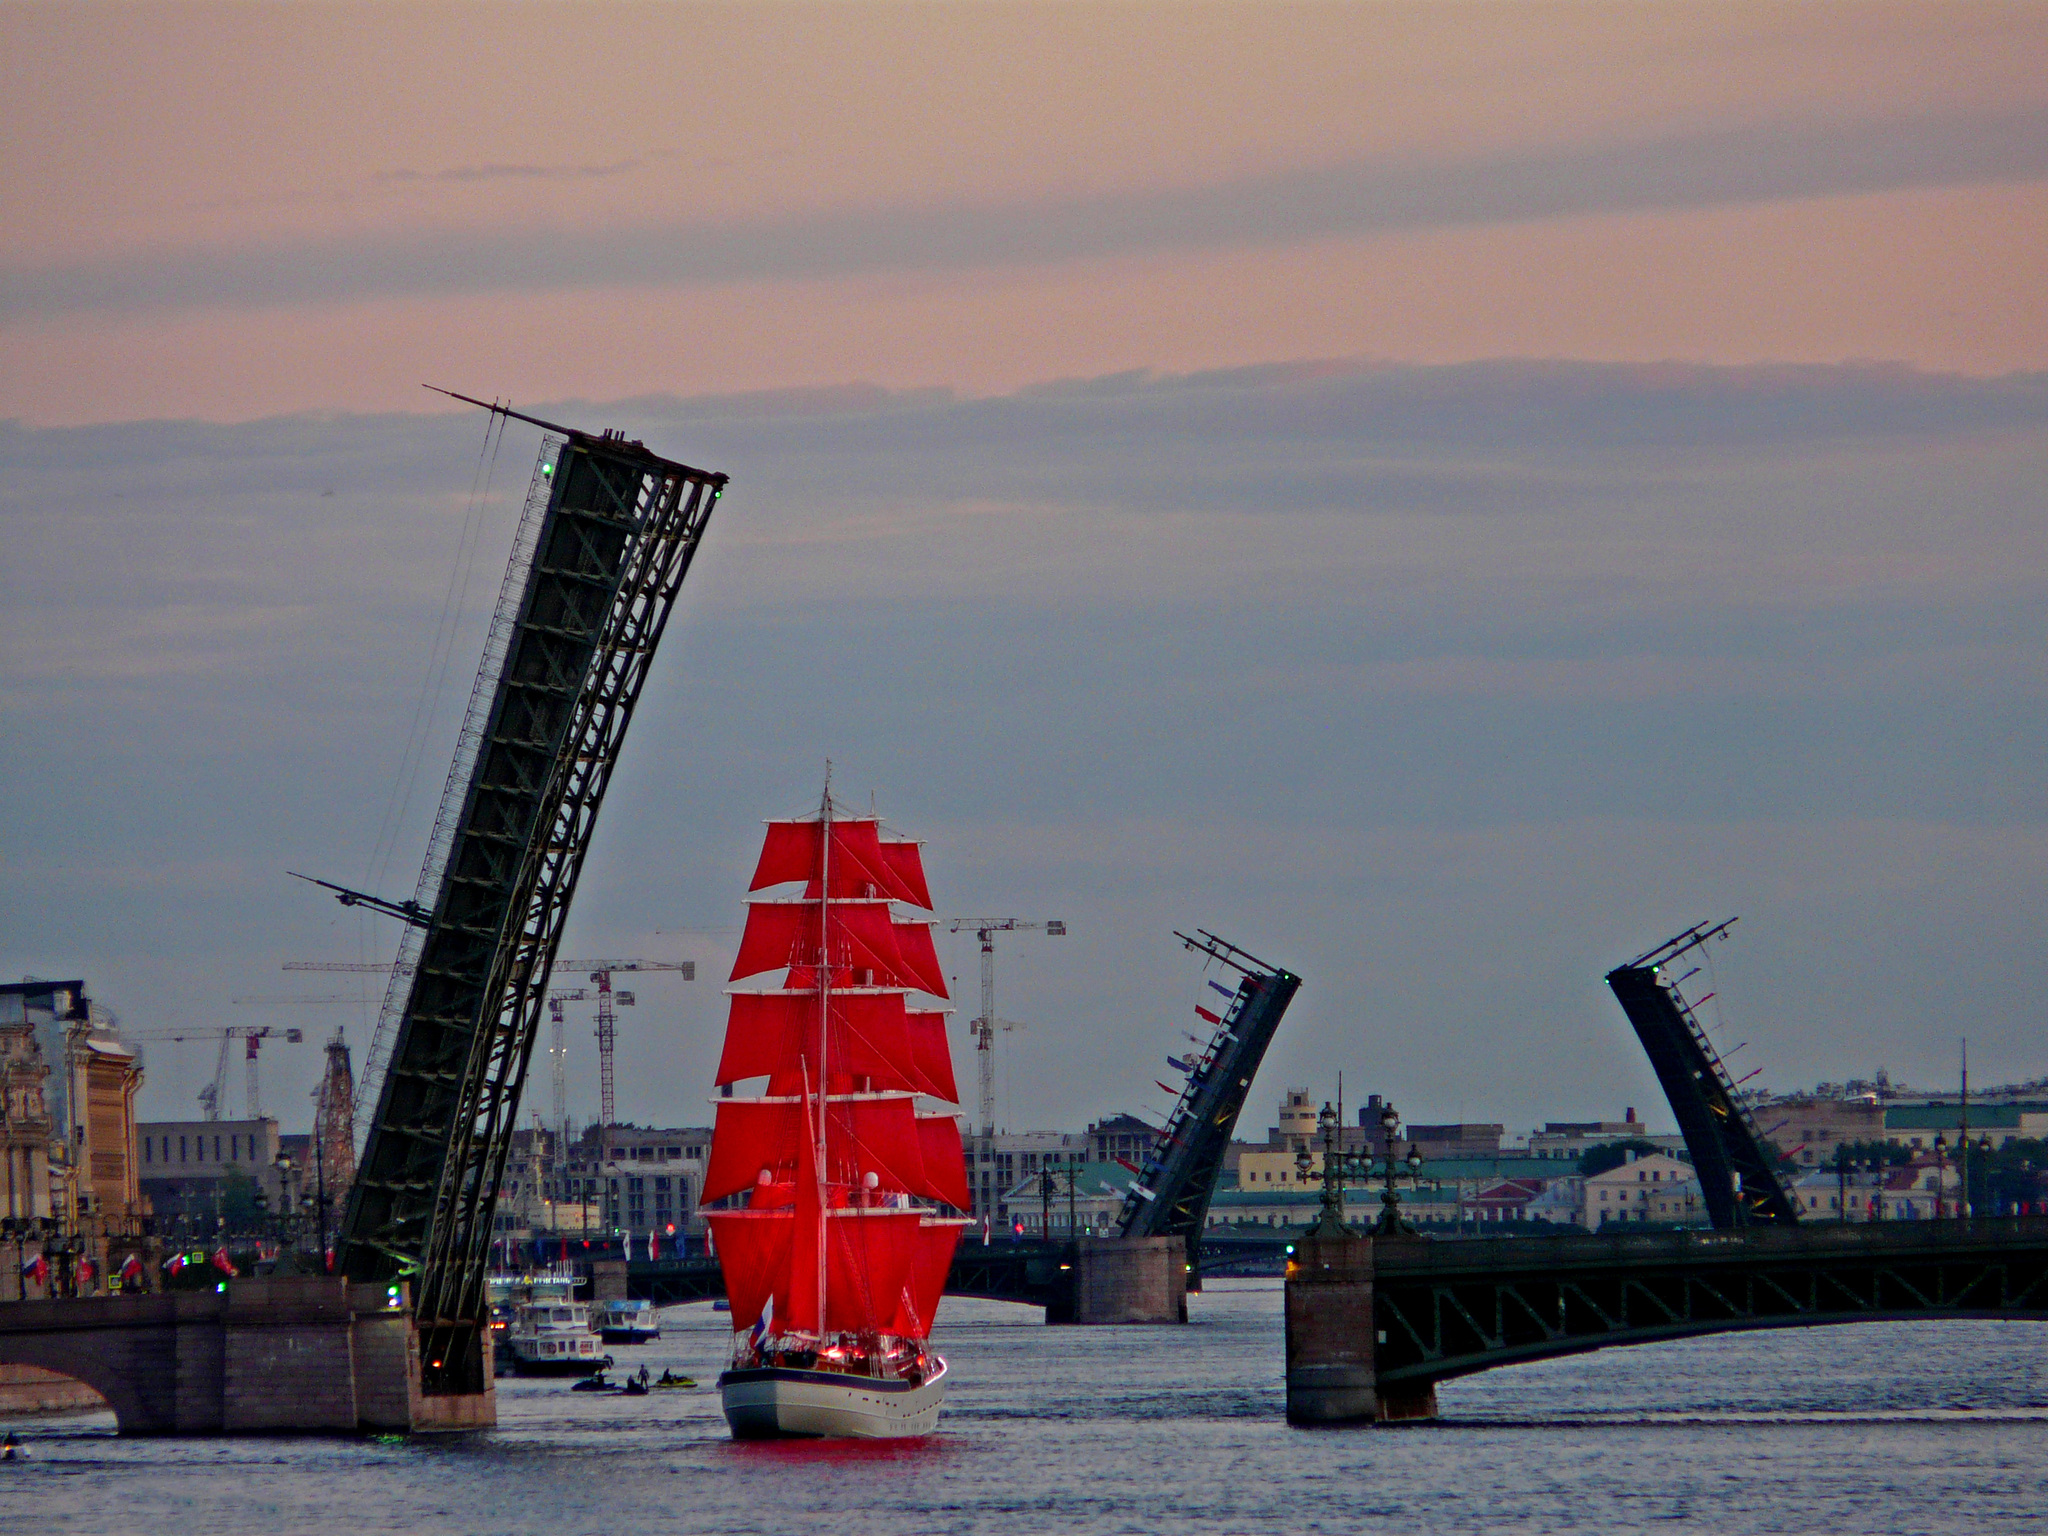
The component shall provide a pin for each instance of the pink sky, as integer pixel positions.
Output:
(235, 212)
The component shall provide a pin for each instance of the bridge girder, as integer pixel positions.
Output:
(1447, 1309)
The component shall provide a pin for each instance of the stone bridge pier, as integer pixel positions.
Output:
(283, 1355)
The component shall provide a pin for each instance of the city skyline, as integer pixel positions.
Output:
(1443, 498)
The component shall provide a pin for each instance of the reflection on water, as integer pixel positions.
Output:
(1881, 1427)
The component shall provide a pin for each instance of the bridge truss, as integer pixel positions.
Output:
(1445, 1309)
(607, 537)
(1172, 1192)
(1737, 1172)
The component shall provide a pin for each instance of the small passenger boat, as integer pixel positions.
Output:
(553, 1337)
(626, 1322)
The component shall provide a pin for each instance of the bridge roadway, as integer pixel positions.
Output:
(1374, 1324)
(1004, 1269)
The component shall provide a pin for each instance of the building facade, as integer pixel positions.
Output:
(1916, 1125)
(25, 1125)
(1654, 1187)
(1085, 1200)
(1808, 1129)
(1918, 1191)
(188, 1168)
(998, 1163)
(636, 1177)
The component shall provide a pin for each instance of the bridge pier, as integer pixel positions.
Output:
(1111, 1280)
(1332, 1342)
(300, 1354)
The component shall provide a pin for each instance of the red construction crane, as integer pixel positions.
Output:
(254, 1034)
(608, 1002)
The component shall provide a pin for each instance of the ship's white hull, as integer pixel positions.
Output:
(770, 1402)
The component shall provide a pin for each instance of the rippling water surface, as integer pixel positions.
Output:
(1872, 1428)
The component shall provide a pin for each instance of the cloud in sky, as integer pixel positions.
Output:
(1694, 170)
(1447, 687)
(497, 172)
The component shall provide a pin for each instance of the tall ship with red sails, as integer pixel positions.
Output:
(835, 1266)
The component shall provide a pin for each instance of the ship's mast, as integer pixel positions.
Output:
(824, 1027)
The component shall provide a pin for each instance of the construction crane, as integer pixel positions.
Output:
(608, 1002)
(600, 973)
(370, 968)
(984, 1028)
(334, 1147)
(254, 1034)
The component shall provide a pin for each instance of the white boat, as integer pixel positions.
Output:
(553, 1337)
(770, 1402)
(835, 1266)
(625, 1322)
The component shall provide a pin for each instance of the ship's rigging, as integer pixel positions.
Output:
(834, 1254)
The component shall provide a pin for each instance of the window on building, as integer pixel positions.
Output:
(148, 1147)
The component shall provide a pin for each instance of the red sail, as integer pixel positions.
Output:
(945, 1159)
(790, 852)
(919, 1299)
(931, 1058)
(871, 1257)
(862, 1136)
(772, 1033)
(862, 864)
(864, 942)
(753, 1251)
(908, 865)
(778, 934)
(920, 958)
(812, 1224)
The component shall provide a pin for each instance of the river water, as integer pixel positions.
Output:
(1871, 1428)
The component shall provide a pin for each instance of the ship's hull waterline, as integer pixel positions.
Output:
(774, 1402)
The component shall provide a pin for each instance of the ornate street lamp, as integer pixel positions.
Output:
(1340, 1166)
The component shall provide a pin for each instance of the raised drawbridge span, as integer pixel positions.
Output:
(1170, 1197)
(1738, 1178)
(608, 533)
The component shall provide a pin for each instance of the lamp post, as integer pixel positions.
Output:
(1338, 1166)
(283, 1165)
